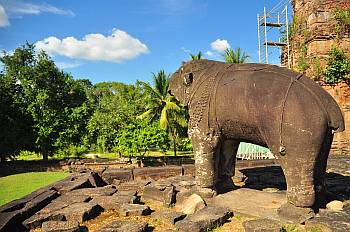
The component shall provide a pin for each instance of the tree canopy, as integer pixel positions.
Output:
(45, 110)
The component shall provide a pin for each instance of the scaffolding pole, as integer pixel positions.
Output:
(266, 48)
(259, 46)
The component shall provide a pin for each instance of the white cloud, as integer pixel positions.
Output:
(3, 17)
(16, 9)
(117, 47)
(220, 45)
(20, 7)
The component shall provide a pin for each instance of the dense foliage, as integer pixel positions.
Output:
(338, 67)
(45, 110)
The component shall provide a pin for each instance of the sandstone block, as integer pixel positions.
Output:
(293, 214)
(169, 216)
(335, 205)
(129, 226)
(80, 212)
(113, 202)
(191, 205)
(262, 225)
(60, 226)
(133, 210)
(166, 195)
(99, 191)
(123, 175)
(204, 219)
(157, 173)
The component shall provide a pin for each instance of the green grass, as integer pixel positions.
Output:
(31, 156)
(150, 153)
(16, 186)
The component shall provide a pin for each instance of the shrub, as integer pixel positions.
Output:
(338, 66)
(72, 151)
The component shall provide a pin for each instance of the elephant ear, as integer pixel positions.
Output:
(188, 79)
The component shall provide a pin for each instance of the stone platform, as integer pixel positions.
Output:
(166, 199)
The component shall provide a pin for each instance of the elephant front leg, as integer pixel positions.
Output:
(205, 149)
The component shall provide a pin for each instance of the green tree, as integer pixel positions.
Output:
(117, 105)
(163, 107)
(196, 57)
(52, 100)
(15, 124)
(236, 56)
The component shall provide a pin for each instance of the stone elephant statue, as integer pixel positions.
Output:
(261, 104)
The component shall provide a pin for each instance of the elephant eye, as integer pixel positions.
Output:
(188, 79)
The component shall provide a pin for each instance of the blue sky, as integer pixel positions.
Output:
(127, 40)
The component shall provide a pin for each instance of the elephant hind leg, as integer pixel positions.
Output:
(226, 166)
(320, 171)
(300, 180)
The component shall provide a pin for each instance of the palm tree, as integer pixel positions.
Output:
(164, 107)
(196, 57)
(235, 56)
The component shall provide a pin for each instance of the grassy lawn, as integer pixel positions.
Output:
(150, 153)
(30, 156)
(16, 186)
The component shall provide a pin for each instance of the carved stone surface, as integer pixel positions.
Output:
(99, 191)
(169, 216)
(292, 214)
(259, 225)
(60, 226)
(156, 173)
(295, 120)
(204, 219)
(119, 226)
(133, 210)
(79, 212)
(113, 202)
(330, 220)
(123, 175)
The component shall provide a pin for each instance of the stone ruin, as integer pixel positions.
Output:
(165, 199)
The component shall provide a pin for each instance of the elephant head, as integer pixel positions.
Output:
(184, 81)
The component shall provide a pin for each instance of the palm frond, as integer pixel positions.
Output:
(144, 115)
(163, 121)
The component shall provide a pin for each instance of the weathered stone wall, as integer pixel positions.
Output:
(313, 35)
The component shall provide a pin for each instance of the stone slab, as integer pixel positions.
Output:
(60, 226)
(124, 175)
(205, 219)
(292, 214)
(125, 226)
(169, 216)
(330, 220)
(262, 225)
(75, 183)
(113, 202)
(191, 205)
(165, 195)
(133, 210)
(245, 201)
(136, 185)
(79, 211)
(156, 173)
(99, 191)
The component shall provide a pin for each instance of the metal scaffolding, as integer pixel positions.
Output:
(273, 34)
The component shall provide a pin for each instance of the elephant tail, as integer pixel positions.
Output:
(335, 116)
